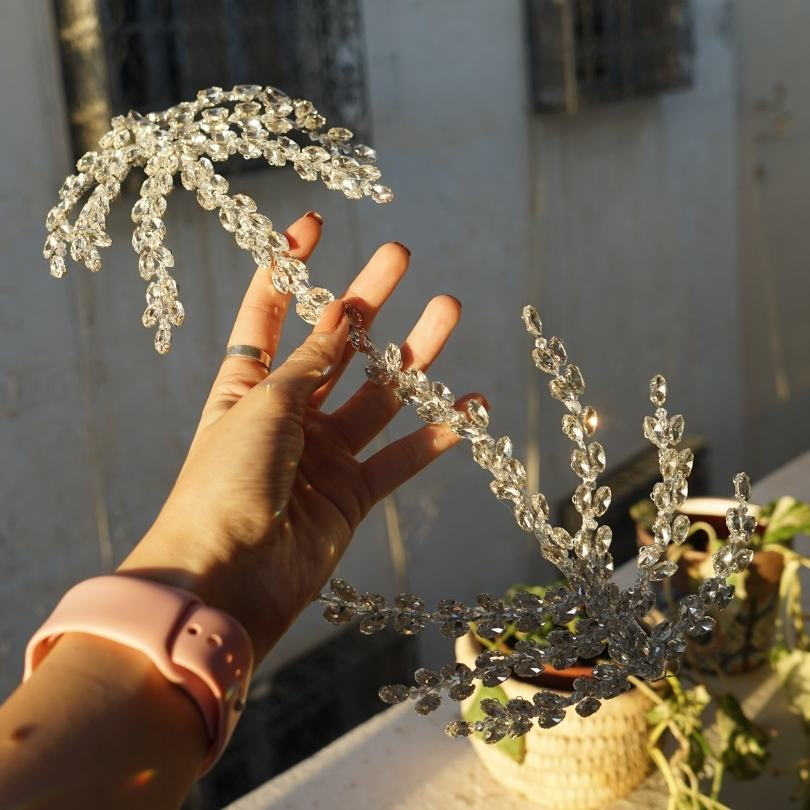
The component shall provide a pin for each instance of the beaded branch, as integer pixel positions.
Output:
(190, 138)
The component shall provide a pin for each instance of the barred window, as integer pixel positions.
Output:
(146, 55)
(587, 52)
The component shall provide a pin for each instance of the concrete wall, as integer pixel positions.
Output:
(637, 261)
(620, 224)
(774, 181)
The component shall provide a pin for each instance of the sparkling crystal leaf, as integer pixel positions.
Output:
(540, 505)
(458, 728)
(561, 538)
(532, 321)
(662, 570)
(742, 487)
(680, 529)
(478, 413)
(503, 447)
(427, 677)
(338, 614)
(373, 623)
(676, 427)
(741, 560)
(589, 420)
(343, 591)
(572, 428)
(603, 538)
(656, 430)
(658, 391)
(312, 303)
(393, 357)
(395, 693)
(601, 501)
(588, 706)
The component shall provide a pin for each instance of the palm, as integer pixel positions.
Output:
(327, 502)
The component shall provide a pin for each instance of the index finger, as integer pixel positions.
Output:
(259, 322)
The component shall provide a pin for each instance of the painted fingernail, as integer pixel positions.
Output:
(331, 317)
(404, 247)
(315, 215)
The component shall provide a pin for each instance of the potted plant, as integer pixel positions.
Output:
(744, 633)
(579, 764)
(696, 738)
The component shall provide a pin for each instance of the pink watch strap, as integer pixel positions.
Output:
(204, 651)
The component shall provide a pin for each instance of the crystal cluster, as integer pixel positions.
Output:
(253, 122)
(250, 121)
(612, 623)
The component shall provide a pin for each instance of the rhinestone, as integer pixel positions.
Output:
(312, 303)
(742, 487)
(532, 321)
(658, 391)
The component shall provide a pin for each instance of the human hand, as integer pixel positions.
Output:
(272, 491)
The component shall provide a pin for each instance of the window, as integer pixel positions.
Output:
(149, 54)
(586, 52)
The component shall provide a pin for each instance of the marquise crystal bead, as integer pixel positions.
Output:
(312, 303)
(742, 487)
(658, 391)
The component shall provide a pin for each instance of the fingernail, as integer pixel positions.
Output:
(404, 247)
(331, 317)
(315, 215)
(454, 298)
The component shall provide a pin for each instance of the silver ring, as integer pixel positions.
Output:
(251, 352)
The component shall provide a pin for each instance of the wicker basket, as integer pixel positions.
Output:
(581, 764)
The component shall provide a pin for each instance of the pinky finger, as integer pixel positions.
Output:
(401, 460)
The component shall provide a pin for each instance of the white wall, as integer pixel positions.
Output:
(638, 263)
(775, 241)
(620, 223)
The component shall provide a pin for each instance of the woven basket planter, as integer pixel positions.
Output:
(581, 764)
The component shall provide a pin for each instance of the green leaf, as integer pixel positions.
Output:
(537, 590)
(643, 512)
(784, 519)
(661, 712)
(793, 669)
(745, 744)
(512, 747)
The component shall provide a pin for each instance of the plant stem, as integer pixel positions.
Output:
(717, 780)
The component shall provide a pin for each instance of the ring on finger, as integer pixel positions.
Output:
(251, 352)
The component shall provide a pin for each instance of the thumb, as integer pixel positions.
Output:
(317, 359)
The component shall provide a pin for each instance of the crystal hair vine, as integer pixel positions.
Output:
(190, 138)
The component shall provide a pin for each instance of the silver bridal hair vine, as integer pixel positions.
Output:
(253, 121)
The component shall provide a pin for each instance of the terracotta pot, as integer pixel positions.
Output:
(744, 631)
(581, 764)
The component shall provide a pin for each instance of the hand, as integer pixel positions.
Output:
(271, 492)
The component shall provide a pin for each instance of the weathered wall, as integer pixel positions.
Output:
(637, 259)
(619, 223)
(774, 180)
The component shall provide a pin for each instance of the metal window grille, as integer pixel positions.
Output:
(146, 55)
(587, 52)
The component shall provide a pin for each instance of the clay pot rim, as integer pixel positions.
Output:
(712, 507)
(549, 678)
